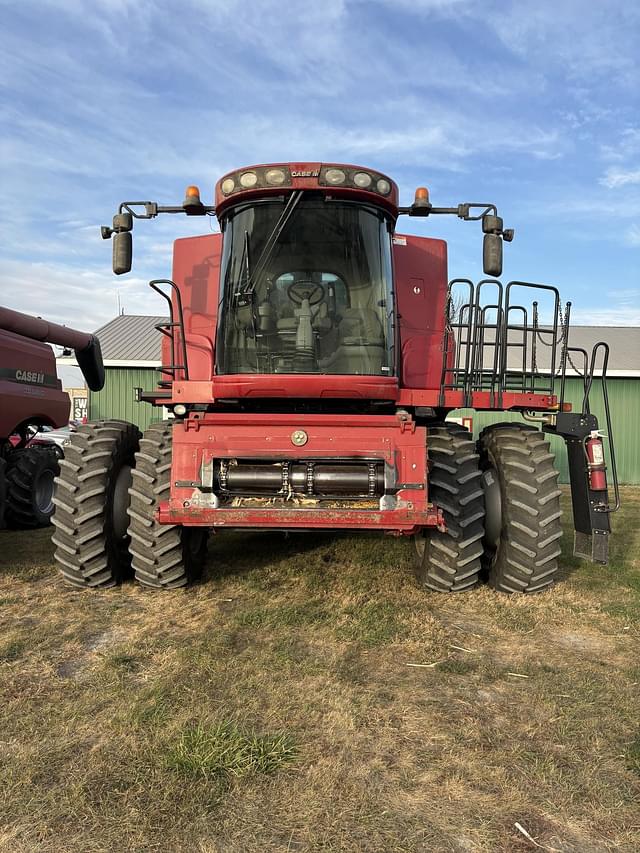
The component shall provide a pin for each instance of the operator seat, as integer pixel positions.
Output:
(360, 326)
(360, 344)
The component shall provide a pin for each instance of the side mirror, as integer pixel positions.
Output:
(122, 252)
(491, 255)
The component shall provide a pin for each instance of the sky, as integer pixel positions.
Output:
(534, 107)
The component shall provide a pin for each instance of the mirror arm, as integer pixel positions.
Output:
(463, 211)
(492, 226)
(488, 214)
(130, 210)
(152, 209)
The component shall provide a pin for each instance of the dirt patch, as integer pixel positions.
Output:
(588, 644)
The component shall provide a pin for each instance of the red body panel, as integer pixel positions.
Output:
(420, 267)
(399, 443)
(294, 385)
(30, 391)
(196, 271)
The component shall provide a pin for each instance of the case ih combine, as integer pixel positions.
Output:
(310, 357)
(31, 397)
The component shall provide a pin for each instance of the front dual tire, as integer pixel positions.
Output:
(110, 483)
(501, 504)
(522, 542)
(164, 556)
(451, 561)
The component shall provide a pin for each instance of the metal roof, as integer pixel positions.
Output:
(130, 339)
(624, 344)
(623, 341)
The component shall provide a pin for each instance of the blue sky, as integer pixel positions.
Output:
(532, 106)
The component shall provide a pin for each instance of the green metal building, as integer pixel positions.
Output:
(131, 350)
(624, 403)
(623, 385)
(117, 399)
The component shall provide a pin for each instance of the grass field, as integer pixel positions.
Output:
(308, 696)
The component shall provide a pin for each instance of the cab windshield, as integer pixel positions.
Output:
(306, 288)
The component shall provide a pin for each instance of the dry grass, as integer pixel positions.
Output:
(273, 707)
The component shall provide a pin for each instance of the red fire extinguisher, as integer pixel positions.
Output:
(595, 456)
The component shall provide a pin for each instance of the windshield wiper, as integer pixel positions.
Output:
(251, 277)
(241, 288)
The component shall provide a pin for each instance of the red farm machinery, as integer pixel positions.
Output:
(311, 355)
(31, 398)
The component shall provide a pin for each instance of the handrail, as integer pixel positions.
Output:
(166, 327)
(474, 330)
(607, 412)
(553, 331)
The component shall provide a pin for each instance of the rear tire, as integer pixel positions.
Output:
(90, 504)
(523, 508)
(450, 562)
(30, 486)
(164, 556)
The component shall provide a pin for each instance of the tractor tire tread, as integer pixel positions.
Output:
(526, 559)
(23, 468)
(161, 555)
(87, 552)
(451, 561)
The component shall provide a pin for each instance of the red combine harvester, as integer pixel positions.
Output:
(31, 397)
(310, 357)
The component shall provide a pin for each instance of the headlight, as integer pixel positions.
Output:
(248, 180)
(383, 186)
(275, 177)
(228, 186)
(335, 176)
(362, 179)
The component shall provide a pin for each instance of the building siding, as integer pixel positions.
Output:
(624, 401)
(117, 398)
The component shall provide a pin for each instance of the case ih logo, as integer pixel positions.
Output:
(313, 173)
(30, 376)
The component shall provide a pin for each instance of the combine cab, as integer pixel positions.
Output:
(310, 358)
(31, 397)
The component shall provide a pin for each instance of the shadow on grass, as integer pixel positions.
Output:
(263, 557)
(26, 554)
(624, 543)
(237, 554)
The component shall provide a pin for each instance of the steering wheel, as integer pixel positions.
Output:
(305, 289)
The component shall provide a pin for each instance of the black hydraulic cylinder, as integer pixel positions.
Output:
(307, 477)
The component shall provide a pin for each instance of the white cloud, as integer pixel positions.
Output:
(592, 43)
(605, 317)
(626, 144)
(622, 309)
(620, 177)
(83, 299)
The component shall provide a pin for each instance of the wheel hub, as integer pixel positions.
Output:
(43, 492)
(121, 502)
(493, 508)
